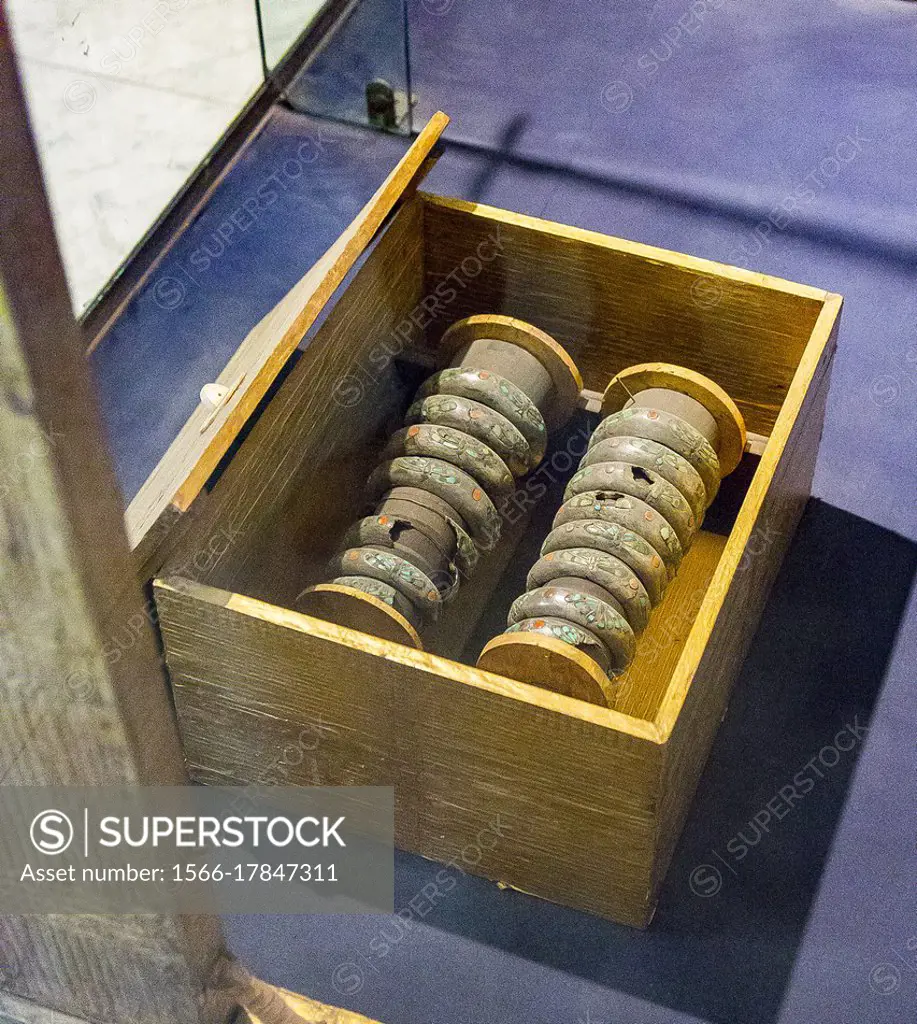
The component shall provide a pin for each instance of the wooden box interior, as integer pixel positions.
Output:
(296, 481)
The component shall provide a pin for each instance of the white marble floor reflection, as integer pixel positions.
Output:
(126, 98)
(283, 22)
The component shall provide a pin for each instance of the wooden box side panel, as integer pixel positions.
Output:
(740, 588)
(535, 789)
(613, 303)
(289, 487)
(644, 685)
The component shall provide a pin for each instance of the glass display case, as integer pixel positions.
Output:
(281, 25)
(131, 101)
(361, 73)
(126, 100)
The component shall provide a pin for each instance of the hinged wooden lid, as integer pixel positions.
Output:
(228, 402)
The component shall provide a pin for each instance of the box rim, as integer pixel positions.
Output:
(654, 254)
(431, 664)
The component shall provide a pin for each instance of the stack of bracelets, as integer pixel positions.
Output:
(473, 429)
(630, 513)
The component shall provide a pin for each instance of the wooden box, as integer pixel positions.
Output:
(581, 805)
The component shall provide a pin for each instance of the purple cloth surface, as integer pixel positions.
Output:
(731, 105)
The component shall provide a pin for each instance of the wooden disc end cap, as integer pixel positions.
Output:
(346, 606)
(550, 663)
(695, 385)
(553, 357)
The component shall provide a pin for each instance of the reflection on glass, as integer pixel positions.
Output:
(361, 72)
(126, 98)
(282, 23)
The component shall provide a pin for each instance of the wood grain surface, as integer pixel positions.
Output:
(272, 1005)
(732, 607)
(542, 779)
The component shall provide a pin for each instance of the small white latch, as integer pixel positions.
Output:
(214, 397)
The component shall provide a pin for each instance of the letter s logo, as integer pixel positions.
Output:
(51, 832)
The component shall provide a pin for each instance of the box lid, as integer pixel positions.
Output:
(228, 402)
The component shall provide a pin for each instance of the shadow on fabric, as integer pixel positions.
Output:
(737, 895)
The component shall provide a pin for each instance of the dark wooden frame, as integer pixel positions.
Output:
(67, 587)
